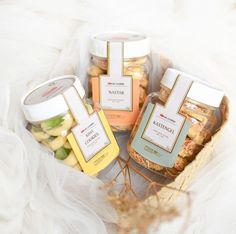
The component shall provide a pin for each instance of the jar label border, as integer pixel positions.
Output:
(104, 132)
(171, 139)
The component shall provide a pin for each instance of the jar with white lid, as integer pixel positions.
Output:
(197, 108)
(54, 111)
(118, 56)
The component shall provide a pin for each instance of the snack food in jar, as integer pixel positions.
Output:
(175, 123)
(119, 76)
(60, 118)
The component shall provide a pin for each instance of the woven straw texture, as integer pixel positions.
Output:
(182, 181)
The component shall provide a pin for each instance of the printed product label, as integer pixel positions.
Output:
(93, 143)
(116, 93)
(92, 140)
(162, 130)
(91, 136)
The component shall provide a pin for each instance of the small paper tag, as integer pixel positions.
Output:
(91, 136)
(163, 128)
(116, 90)
(76, 104)
(116, 94)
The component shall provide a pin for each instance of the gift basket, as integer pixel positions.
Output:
(169, 134)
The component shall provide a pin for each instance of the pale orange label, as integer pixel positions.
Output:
(118, 117)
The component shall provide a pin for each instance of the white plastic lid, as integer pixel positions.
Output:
(135, 44)
(200, 90)
(46, 100)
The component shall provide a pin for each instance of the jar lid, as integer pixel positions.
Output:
(135, 44)
(200, 90)
(46, 100)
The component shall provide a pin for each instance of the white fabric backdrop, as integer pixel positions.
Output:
(41, 39)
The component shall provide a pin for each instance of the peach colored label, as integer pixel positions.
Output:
(118, 117)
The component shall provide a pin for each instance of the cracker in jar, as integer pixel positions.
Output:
(95, 71)
(139, 159)
(54, 143)
(142, 95)
(137, 72)
(193, 111)
(58, 126)
(71, 160)
(164, 94)
(101, 63)
(179, 166)
(144, 82)
(135, 61)
(189, 148)
(135, 155)
(199, 133)
(180, 163)
(38, 133)
(171, 172)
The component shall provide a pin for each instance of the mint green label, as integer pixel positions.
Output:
(160, 135)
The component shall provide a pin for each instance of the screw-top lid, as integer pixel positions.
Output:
(135, 44)
(200, 90)
(46, 100)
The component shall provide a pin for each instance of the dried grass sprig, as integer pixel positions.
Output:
(139, 213)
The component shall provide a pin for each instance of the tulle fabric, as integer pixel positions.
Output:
(43, 39)
(40, 194)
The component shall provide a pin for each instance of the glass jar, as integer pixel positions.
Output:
(135, 63)
(53, 133)
(199, 107)
(55, 111)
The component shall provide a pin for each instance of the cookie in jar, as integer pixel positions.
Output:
(119, 76)
(60, 118)
(175, 123)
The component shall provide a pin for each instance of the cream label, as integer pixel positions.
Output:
(115, 88)
(91, 136)
(76, 104)
(116, 94)
(163, 129)
(94, 143)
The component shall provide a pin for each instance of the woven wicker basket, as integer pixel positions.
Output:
(183, 180)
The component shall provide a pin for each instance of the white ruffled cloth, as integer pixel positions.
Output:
(43, 39)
